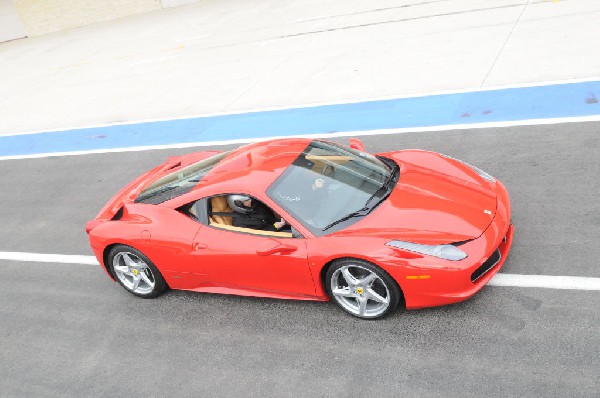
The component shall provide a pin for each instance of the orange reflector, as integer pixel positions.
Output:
(418, 277)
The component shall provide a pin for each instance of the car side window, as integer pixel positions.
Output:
(193, 211)
(245, 214)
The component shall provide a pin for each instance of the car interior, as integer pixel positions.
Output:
(218, 204)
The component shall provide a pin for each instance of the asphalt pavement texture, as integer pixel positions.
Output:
(68, 330)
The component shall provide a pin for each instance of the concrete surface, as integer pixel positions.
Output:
(67, 330)
(11, 27)
(217, 56)
(42, 17)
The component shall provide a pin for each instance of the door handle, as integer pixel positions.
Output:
(199, 246)
(272, 246)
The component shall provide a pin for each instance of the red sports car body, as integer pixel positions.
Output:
(410, 224)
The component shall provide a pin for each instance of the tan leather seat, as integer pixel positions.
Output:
(218, 204)
(254, 231)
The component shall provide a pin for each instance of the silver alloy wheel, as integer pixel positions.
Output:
(133, 273)
(360, 291)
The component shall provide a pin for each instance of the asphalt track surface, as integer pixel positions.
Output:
(67, 330)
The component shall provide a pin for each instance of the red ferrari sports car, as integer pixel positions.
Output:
(310, 220)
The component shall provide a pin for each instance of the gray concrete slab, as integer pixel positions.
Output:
(217, 56)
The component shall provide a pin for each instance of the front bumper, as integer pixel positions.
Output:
(430, 282)
(447, 287)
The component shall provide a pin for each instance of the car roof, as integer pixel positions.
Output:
(254, 167)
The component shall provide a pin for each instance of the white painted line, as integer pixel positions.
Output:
(310, 105)
(546, 281)
(505, 280)
(530, 122)
(49, 258)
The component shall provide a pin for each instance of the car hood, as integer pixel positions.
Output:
(437, 200)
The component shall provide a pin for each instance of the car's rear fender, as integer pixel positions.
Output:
(128, 193)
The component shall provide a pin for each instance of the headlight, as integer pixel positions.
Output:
(482, 173)
(446, 252)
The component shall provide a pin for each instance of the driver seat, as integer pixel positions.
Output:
(218, 204)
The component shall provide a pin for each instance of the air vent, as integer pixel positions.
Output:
(486, 266)
(118, 214)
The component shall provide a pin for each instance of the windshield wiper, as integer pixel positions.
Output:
(387, 185)
(358, 213)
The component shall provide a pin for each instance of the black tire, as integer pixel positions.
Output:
(349, 297)
(139, 267)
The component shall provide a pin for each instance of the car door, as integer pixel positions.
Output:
(246, 260)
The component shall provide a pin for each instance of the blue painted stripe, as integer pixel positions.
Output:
(512, 104)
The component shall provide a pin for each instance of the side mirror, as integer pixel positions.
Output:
(357, 144)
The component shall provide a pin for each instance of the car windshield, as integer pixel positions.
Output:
(330, 186)
(179, 182)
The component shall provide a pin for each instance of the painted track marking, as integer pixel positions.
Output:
(530, 122)
(315, 104)
(546, 281)
(49, 258)
(504, 280)
(516, 106)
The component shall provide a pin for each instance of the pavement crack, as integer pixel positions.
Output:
(370, 11)
(400, 20)
(487, 75)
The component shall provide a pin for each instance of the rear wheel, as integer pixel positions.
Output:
(362, 289)
(135, 272)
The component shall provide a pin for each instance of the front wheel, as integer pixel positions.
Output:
(135, 272)
(362, 289)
